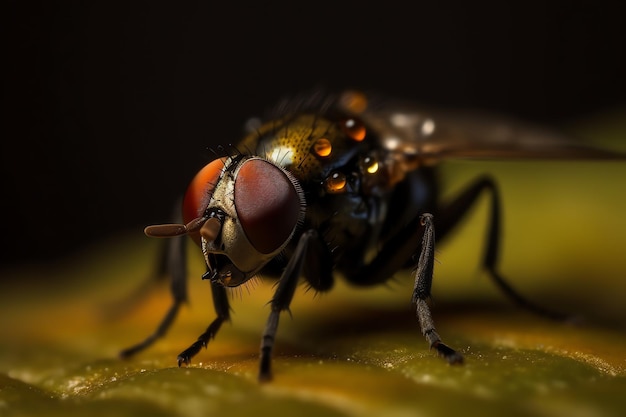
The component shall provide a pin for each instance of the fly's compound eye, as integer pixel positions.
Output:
(200, 190)
(268, 204)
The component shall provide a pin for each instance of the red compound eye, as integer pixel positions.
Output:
(267, 203)
(200, 190)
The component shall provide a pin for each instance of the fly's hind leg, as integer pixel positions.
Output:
(454, 212)
(421, 292)
(393, 257)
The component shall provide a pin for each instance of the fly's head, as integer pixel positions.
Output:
(242, 211)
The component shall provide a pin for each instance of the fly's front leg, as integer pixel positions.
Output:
(121, 308)
(282, 299)
(174, 262)
(222, 309)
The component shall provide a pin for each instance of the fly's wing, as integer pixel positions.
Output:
(429, 136)
(436, 135)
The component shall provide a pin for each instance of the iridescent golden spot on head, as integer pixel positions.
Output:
(336, 182)
(322, 147)
(354, 129)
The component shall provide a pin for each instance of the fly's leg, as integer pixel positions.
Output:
(119, 308)
(222, 309)
(421, 292)
(455, 211)
(175, 262)
(393, 257)
(282, 299)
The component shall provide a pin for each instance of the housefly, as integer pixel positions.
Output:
(341, 184)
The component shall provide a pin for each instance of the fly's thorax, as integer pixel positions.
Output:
(341, 165)
(308, 144)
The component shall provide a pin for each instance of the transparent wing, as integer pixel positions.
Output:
(411, 133)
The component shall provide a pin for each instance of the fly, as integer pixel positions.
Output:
(342, 184)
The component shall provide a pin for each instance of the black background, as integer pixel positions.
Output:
(108, 108)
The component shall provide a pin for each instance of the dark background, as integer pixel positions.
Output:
(108, 108)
